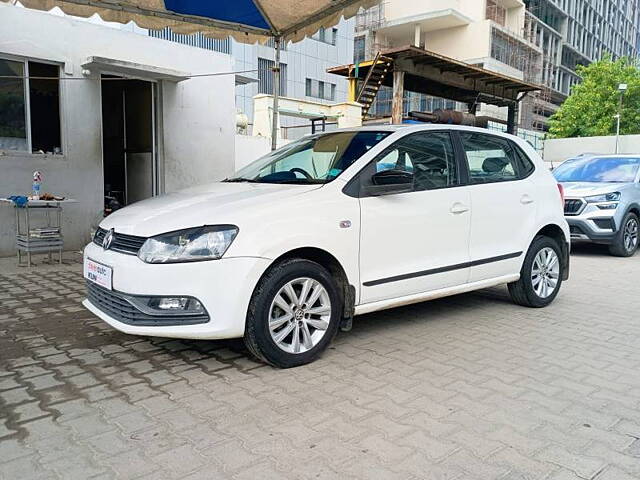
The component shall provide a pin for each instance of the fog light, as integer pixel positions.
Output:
(168, 305)
(178, 303)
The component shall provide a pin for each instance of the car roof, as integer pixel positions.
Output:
(422, 127)
(425, 127)
(605, 155)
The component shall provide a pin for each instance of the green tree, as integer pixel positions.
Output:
(593, 103)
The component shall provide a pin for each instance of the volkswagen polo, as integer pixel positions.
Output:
(289, 249)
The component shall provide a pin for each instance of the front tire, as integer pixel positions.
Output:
(540, 276)
(294, 314)
(626, 242)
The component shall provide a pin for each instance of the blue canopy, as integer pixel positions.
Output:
(242, 12)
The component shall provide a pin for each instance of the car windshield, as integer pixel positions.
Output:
(316, 159)
(598, 169)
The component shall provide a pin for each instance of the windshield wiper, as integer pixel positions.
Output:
(297, 181)
(241, 180)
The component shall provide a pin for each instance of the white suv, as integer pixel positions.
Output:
(331, 226)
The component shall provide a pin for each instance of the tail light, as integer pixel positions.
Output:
(561, 190)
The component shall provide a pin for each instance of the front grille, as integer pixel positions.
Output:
(129, 244)
(573, 206)
(116, 306)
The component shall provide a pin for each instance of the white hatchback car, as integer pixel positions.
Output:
(334, 225)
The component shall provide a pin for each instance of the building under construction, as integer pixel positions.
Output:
(537, 41)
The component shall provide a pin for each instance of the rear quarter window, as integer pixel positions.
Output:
(526, 165)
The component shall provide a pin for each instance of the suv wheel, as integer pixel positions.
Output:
(294, 314)
(626, 242)
(540, 276)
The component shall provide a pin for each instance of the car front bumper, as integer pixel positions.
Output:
(594, 225)
(224, 287)
(583, 231)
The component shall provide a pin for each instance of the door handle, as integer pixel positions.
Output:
(526, 199)
(458, 208)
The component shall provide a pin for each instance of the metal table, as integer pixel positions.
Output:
(39, 237)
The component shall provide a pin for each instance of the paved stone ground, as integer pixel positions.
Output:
(470, 387)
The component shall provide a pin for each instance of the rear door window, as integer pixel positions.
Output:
(491, 158)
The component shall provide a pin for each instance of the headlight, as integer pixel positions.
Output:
(190, 245)
(607, 197)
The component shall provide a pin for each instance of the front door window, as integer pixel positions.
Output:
(429, 156)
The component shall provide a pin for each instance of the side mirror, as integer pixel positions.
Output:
(389, 182)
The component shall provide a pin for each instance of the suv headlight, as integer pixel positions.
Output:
(607, 197)
(190, 245)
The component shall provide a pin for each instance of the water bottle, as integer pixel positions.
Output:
(37, 178)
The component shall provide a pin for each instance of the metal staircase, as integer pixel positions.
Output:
(380, 67)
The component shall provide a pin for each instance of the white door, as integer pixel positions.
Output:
(417, 241)
(503, 202)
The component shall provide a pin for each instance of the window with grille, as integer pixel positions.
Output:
(320, 89)
(326, 35)
(272, 43)
(359, 45)
(265, 77)
(222, 45)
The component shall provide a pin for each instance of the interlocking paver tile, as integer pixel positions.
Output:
(466, 387)
(584, 466)
(614, 473)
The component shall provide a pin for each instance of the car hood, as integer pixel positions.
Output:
(215, 203)
(585, 189)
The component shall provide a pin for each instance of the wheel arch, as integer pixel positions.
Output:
(332, 264)
(634, 208)
(555, 232)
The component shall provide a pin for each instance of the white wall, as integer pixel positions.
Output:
(199, 126)
(560, 149)
(461, 43)
(395, 10)
(197, 122)
(249, 148)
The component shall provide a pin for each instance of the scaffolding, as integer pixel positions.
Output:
(540, 106)
(370, 19)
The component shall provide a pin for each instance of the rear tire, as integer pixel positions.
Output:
(626, 242)
(540, 276)
(294, 314)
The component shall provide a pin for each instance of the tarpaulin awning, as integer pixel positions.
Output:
(247, 21)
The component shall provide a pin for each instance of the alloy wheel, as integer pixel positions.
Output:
(299, 315)
(545, 272)
(630, 235)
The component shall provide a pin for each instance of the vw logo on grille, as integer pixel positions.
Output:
(108, 238)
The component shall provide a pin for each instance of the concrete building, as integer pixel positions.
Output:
(100, 110)
(540, 41)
